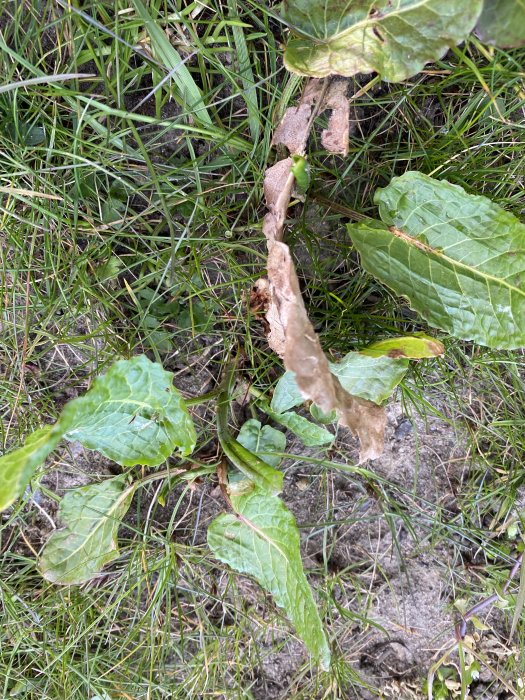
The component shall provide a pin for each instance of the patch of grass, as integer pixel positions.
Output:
(131, 221)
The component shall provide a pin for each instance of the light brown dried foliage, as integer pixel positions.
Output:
(336, 137)
(291, 335)
(294, 129)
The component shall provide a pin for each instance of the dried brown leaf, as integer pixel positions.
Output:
(260, 296)
(294, 129)
(335, 138)
(278, 185)
(293, 337)
(291, 334)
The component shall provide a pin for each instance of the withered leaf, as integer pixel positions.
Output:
(335, 138)
(294, 129)
(293, 337)
(278, 185)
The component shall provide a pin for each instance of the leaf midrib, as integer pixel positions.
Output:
(415, 243)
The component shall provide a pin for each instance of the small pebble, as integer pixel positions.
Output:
(403, 429)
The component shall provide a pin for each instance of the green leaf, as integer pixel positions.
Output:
(309, 433)
(265, 477)
(17, 467)
(110, 269)
(321, 417)
(133, 414)
(367, 376)
(301, 172)
(88, 541)
(286, 394)
(264, 441)
(372, 378)
(458, 258)
(112, 211)
(414, 347)
(502, 23)
(262, 540)
(395, 40)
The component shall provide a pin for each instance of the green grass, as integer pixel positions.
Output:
(132, 227)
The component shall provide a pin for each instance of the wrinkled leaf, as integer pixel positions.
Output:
(458, 258)
(278, 185)
(88, 541)
(132, 414)
(309, 433)
(372, 378)
(286, 394)
(336, 136)
(17, 467)
(414, 347)
(395, 40)
(295, 125)
(262, 540)
(293, 336)
(502, 23)
(264, 441)
(361, 374)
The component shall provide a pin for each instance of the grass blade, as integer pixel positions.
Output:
(187, 91)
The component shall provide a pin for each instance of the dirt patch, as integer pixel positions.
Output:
(403, 618)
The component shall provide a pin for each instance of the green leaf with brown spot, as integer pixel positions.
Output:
(413, 347)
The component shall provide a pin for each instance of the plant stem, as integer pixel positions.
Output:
(461, 627)
(264, 476)
(188, 475)
(197, 400)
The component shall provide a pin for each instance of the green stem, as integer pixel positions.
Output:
(197, 400)
(183, 476)
(266, 477)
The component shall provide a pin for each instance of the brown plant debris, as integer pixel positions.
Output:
(278, 185)
(336, 137)
(293, 337)
(294, 129)
(291, 334)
